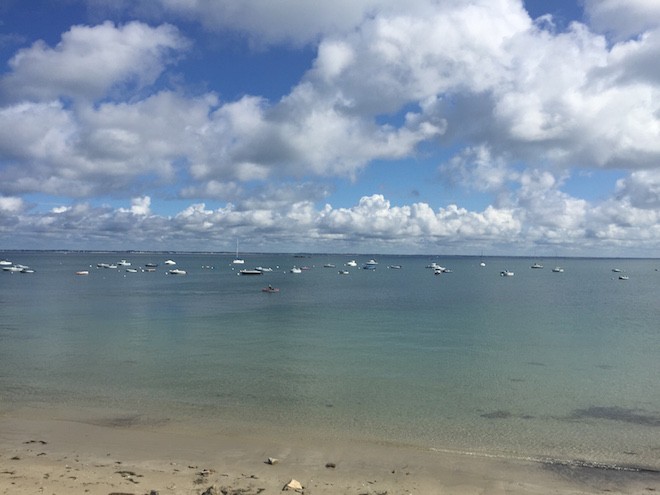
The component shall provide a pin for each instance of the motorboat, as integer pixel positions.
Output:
(537, 266)
(170, 262)
(329, 265)
(371, 262)
(616, 270)
(82, 272)
(131, 270)
(150, 265)
(558, 269)
(248, 271)
(623, 277)
(351, 263)
(506, 273)
(483, 263)
(295, 269)
(5, 263)
(343, 272)
(177, 271)
(124, 263)
(394, 267)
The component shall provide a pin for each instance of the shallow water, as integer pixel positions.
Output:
(539, 365)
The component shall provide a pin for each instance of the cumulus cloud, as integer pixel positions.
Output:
(623, 18)
(90, 61)
(512, 105)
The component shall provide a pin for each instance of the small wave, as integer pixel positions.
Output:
(552, 461)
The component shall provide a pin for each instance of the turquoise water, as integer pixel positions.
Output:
(539, 365)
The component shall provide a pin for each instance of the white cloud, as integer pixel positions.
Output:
(11, 204)
(623, 18)
(90, 61)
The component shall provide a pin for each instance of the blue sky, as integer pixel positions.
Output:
(462, 126)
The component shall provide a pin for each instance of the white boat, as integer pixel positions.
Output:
(295, 269)
(616, 270)
(558, 269)
(5, 263)
(124, 263)
(623, 277)
(247, 271)
(343, 272)
(237, 260)
(82, 272)
(351, 263)
(537, 266)
(506, 273)
(482, 263)
(177, 271)
(395, 267)
(371, 262)
(131, 270)
(170, 262)
(12, 269)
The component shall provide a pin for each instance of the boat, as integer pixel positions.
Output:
(558, 269)
(248, 271)
(13, 268)
(82, 272)
(150, 265)
(177, 271)
(270, 289)
(616, 270)
(483, 263)
(351, 263)
(623, 277)
(367, 266)
(131, 270)
(394, 267)
(329, 265)
(237, 260)
(264, 269)
(537, 266)
(5, 263)
(506, 273)
(295, 269)
(170, 262)
(371, 262)
(124, 263)
(343, 272)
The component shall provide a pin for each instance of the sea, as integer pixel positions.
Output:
(542, 365)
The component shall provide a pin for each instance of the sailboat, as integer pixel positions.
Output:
(237, 260)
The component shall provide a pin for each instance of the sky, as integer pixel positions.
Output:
(494, 127)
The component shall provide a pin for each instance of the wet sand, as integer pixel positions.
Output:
(65, 457)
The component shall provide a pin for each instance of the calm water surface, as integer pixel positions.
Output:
(542, 364)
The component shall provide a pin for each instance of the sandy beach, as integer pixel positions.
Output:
(64, 457)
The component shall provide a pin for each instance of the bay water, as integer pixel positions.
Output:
(543, 365)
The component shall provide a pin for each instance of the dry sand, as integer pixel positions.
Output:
(58, 457)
